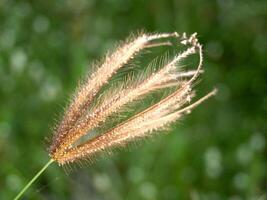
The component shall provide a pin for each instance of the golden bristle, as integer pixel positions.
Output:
(78, 120)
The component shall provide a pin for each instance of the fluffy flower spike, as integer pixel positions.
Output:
(81, 118)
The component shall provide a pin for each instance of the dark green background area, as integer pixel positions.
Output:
(217, 152)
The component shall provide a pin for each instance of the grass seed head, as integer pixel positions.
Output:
(82, 117)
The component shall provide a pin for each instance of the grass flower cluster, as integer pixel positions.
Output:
(86, 112)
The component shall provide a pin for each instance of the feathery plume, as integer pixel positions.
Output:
(79, 120)
(82, 116)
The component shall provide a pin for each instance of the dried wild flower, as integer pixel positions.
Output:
(81, 118)
(88, 112)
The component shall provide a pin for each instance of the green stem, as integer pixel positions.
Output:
(33, 179)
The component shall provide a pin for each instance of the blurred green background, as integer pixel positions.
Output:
(217, 152)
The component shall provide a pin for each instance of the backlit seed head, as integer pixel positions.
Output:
(84, 114)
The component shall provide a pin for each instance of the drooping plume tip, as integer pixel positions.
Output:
(81, 117)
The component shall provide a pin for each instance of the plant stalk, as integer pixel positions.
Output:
(33, 179)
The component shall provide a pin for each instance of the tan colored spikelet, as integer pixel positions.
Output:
(79, 120)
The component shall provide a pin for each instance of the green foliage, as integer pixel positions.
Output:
(218, 152)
